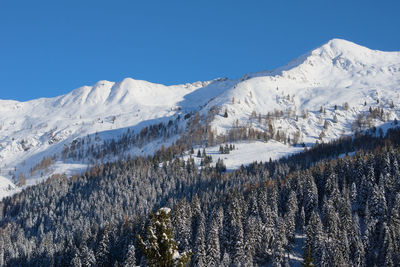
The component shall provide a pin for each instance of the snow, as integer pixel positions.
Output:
(7, 188)
(176, 255)
(39, 128)
(296, 255)
(332, 74)
(246, 153)
(347, 154)
(165, 210)
(335, 73)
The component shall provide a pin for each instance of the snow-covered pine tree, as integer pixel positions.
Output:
(290, 216)
(160, 248)
(213, 247)
(182, 219)
(130, 259)
(226, 260)
(102, 254)
(199, 257)
(87, 257)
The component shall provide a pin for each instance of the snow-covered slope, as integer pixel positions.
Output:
(246, 153)
(33, 130)
(336, 73)
(6, 187)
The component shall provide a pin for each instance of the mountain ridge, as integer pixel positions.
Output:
(335, 73)
(332, 49)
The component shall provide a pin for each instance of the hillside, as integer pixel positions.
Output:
(334, 90)
(345, 212)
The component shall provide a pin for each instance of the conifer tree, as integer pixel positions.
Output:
(308, 260)
(87, 257)
(203, 154)
(199, 257)
(160, 249)
(226, 149)
(102, 255)
(213, 248)
(76, 261)
(130, 260)
(226, 260)
(181, 220)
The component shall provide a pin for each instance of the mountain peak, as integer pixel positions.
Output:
(337, 43)
(340, 47)
(342, 54)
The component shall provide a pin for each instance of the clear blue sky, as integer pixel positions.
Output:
(48, 48)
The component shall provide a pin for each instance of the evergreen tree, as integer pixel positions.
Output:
(226, 150)
(250, 239)
(130, 260)
(308, 260)
(181, 219)
(278, 245)
(199, 257)
(220, 166)
(213, 247)
(102, 255)
(161, 249)
(87, 257)
(290, 217)
(76, 260)
(226, 260)
(355, 244)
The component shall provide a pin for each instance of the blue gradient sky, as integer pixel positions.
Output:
(48, 48)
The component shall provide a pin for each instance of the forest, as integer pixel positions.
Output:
(337, 204)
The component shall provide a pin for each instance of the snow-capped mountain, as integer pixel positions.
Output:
(336, 73)
(316, 97)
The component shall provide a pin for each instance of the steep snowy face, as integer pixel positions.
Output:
(336, 64)
(337, 50)
(340, 60)
(338, 72)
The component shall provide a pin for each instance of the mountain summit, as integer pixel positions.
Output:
(339, 47)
